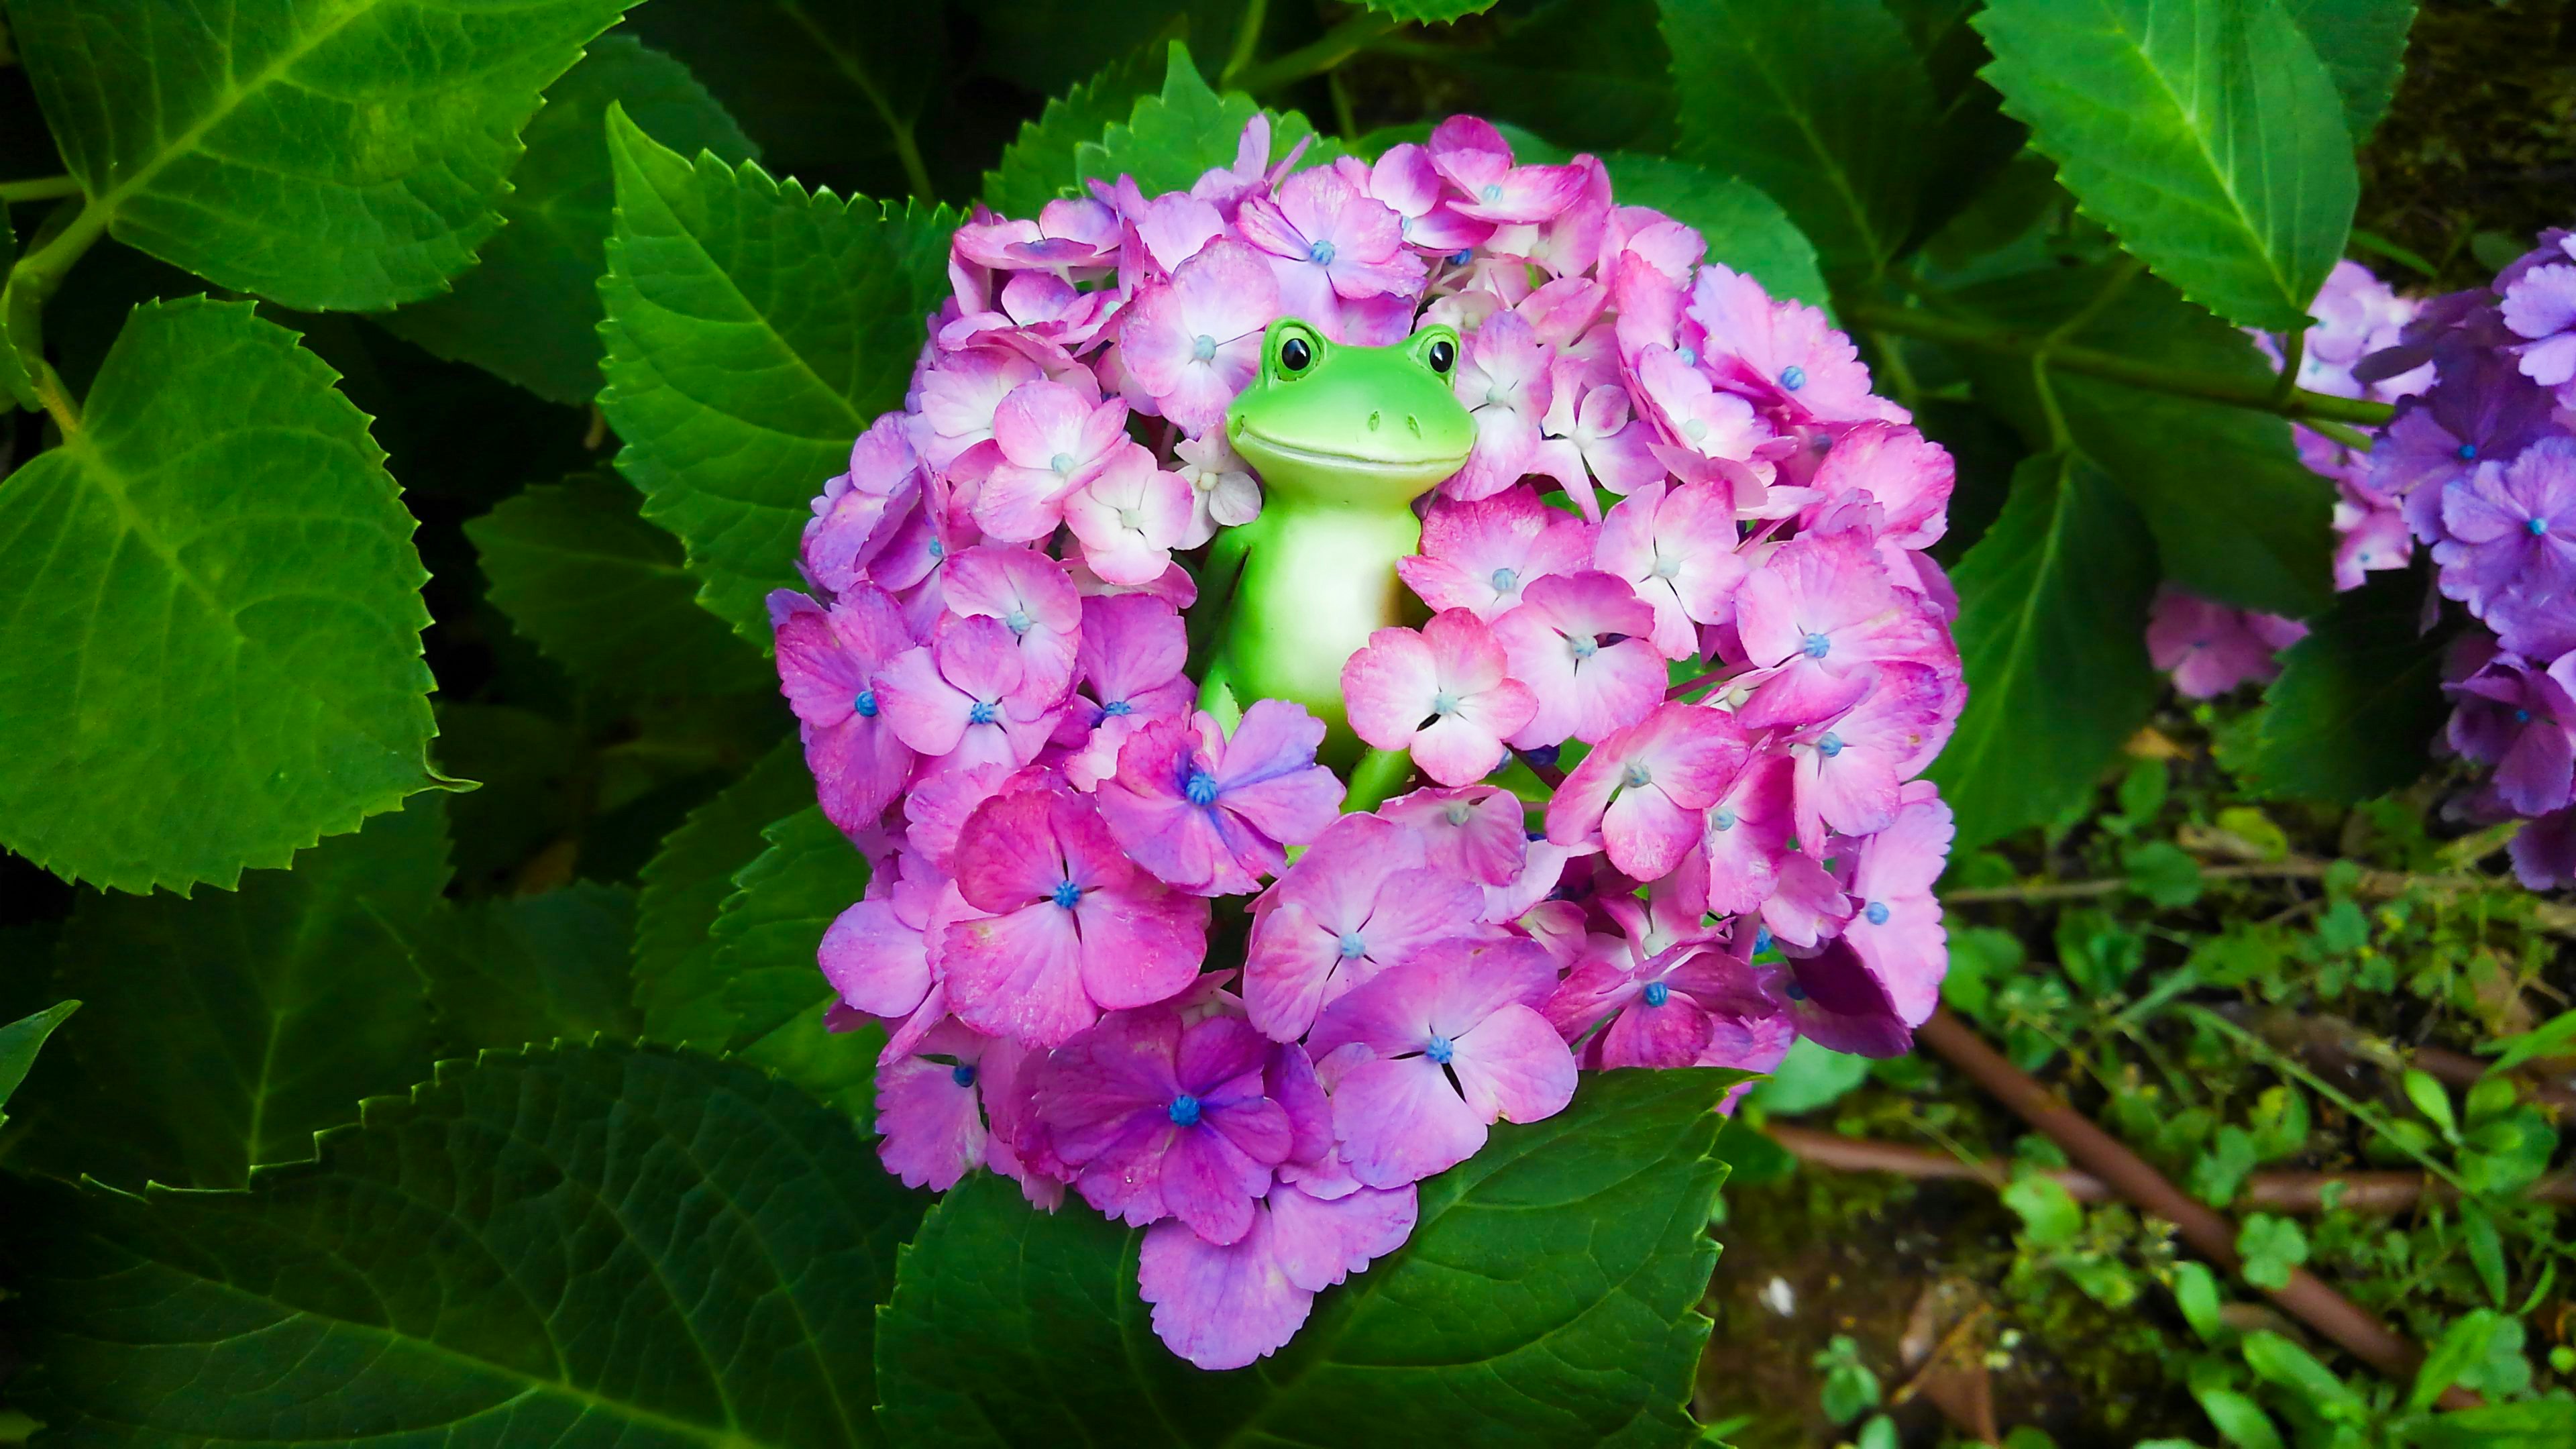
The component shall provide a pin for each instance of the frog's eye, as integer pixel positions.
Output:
(1295, 356)
(1441, 356)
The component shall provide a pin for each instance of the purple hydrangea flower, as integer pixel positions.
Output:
(1210, 814)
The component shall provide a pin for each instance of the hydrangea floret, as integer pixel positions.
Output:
(1322, 660)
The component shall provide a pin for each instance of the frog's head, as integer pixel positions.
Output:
(1352, 426)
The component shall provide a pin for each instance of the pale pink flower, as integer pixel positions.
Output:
(1130, 518)
(1479, 556)
(1327, 241)
(1644, 787)
(1030, 594)
(1581, 643)
(1194, 342)
(1475, 833)
(1896, 928)
(1359, 901)
(1783, 353)
(1223, 492)
(1676, 547)
(1053, 441)
(1475, 159)
(1503, 380)
(962, 696)
(1444, 693)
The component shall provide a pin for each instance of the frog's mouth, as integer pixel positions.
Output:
(1260, 447)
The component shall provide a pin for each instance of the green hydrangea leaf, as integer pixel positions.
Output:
(2236, 516)
(2363, 45)
(2052, 614)
(581, 1246)
(754, 331)
(765, 937)
(1432, 12)
(1823, 105)
(206, 678)
(327, 156)
(2358, 703)
(2205, 133)
(1746, 230)
(685, 886)
(1587, 73)
(510, 970)
(1040, 165)
(223, 1032)
(20, 1041)
(528, 312)
(1546, 1298)
(1173, 136)
(605, 594)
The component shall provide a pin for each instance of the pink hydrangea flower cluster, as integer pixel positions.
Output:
(2479, 467)
(1123, 946)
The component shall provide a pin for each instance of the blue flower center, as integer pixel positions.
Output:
(1830, 746)
(1877, 913)
(1320, 253)
(1439, 1049)
(1504, 581)
(1117, 706)
(1542, 755)
(962, 1074)
(1352, 947)
(2468, 452)
(1689, 356)
(1797, 992)
(1724, 818)
(1816, 646)
(1793, 377)
(1493, 191)
(866, 704)
(1203, 347)
(1459, 257)
(1185, 1110)
(1018, 619)
(1444, 703)
(938, 549)
(1456, 812)
(1761, 939)
(980, 713)
(1636, 777)
(1584, 645)
(2538, 526)
(1657, 993)
(1061, 462)
(2522, 716)
(1066, 894)
(1200, 788)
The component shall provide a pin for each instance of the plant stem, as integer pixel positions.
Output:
(1318, 56)
(1247, 40)
(2375, 884)
(2261, 395)
(906, 149)
(40, 188)
(2319, 1085)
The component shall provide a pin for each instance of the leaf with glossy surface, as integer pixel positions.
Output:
(1822, 104)
(600, 1246)
(223, 1032)
(204, 678)
(604, 593)
(1040, 165)
(1546, 1298)
(2358, 704)
(511, 970)
(685, 886)
(347, 156)
(1587, 73)
(528, 312)
(2204, 132)
(1433, 12)
(1173, 136)
(764, 941)
(2237, 517)
(1745, 229)
(2052, 614)
(20, 1041)
(754, 331)
(2363, 45)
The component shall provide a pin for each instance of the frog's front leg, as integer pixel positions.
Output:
(1216, 695)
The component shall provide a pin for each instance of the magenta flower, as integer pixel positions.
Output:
(1566, 244)
(1129, 661)
(1643, 788)
(1474, 834)
(2522, 720)
(1443, 693)
(1589, 434)
(2210, 648)
(1676, 548)
(1745, 835)
(1225, 1307)
(930, 1110)
(1194, 342)
(878, 953)
(1896, 928)
(1053, 441)
(1806, 906)
(1405, 181)
(1479, 556)
(1030, 594)
(1360, 901)
(828, 660)
(1158, 1117)
(1664, 1011)
(1849, 771)
(1836, 999)
(2368, 540)
(1424, 1057)
(1328, 240)
(1130, 518)
(1580, 642)
(1068, 233)
(1907, 475)
(1816, 616)
(1503, 380)
(958, 400)
(1783, 352)
(2512, 528)
(1474, 158)
(1709, 435)
(964, 696)
(1210, 814)
(1073, 929)
(854, 514)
